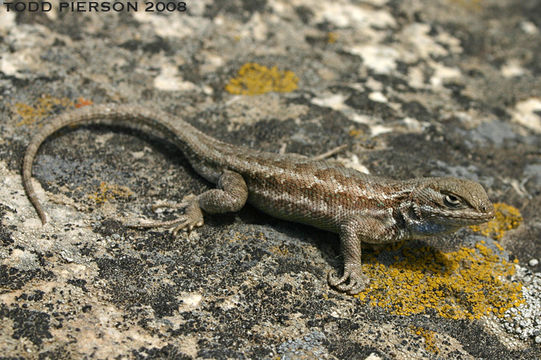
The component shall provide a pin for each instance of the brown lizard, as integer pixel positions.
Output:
(325, 194)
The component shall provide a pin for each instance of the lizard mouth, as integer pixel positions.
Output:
(482, 218)
(487, 214)
(474, 218)
(467, 218)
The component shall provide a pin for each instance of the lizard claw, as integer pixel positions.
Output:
(186, 225)
(352, 282)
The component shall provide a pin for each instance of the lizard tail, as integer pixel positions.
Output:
(106, 114)
(27, 182)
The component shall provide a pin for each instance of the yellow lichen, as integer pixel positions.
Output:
(255, 79)
(464, 284)
(45, 106)
(279, 250)
(356, 132)
(108, 192)
(429, 336)
(332, 37)
(507, 218)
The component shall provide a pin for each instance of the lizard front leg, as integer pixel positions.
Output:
(230, 196)
(353, 280)
(352, 233)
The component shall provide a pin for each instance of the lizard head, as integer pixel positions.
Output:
(452, 202)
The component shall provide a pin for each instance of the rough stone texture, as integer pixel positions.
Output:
(416, 88)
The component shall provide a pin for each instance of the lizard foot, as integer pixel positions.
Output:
(352, 282)
(192, 218)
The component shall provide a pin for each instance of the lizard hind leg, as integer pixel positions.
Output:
(192, 218)
(230, 196)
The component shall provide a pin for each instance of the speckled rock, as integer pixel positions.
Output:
(414, 88)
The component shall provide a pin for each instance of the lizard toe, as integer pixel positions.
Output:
(187, 224)
(357, 283)
(183, 226)
(350, 282)
(192, 218)
(334, 280)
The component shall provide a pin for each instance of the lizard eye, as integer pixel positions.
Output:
(451, 200)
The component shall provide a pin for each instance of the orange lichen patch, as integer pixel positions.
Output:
(507, 218)
(45, 106)
(255, 79)
(464, 284)
(108, 192)
(83, 102)
(429, 336)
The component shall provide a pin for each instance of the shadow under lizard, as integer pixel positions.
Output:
(321, 193)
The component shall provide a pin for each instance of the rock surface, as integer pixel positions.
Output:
(414, 88)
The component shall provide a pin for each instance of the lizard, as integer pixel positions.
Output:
(360, 208)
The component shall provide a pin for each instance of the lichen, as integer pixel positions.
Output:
(332, 37)
(465, 284)
(108, 192)
(83, 102)
(507, 218)
(45, 106)
(279, 250)
(356, 133)
(429, 336)
(255, 79)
